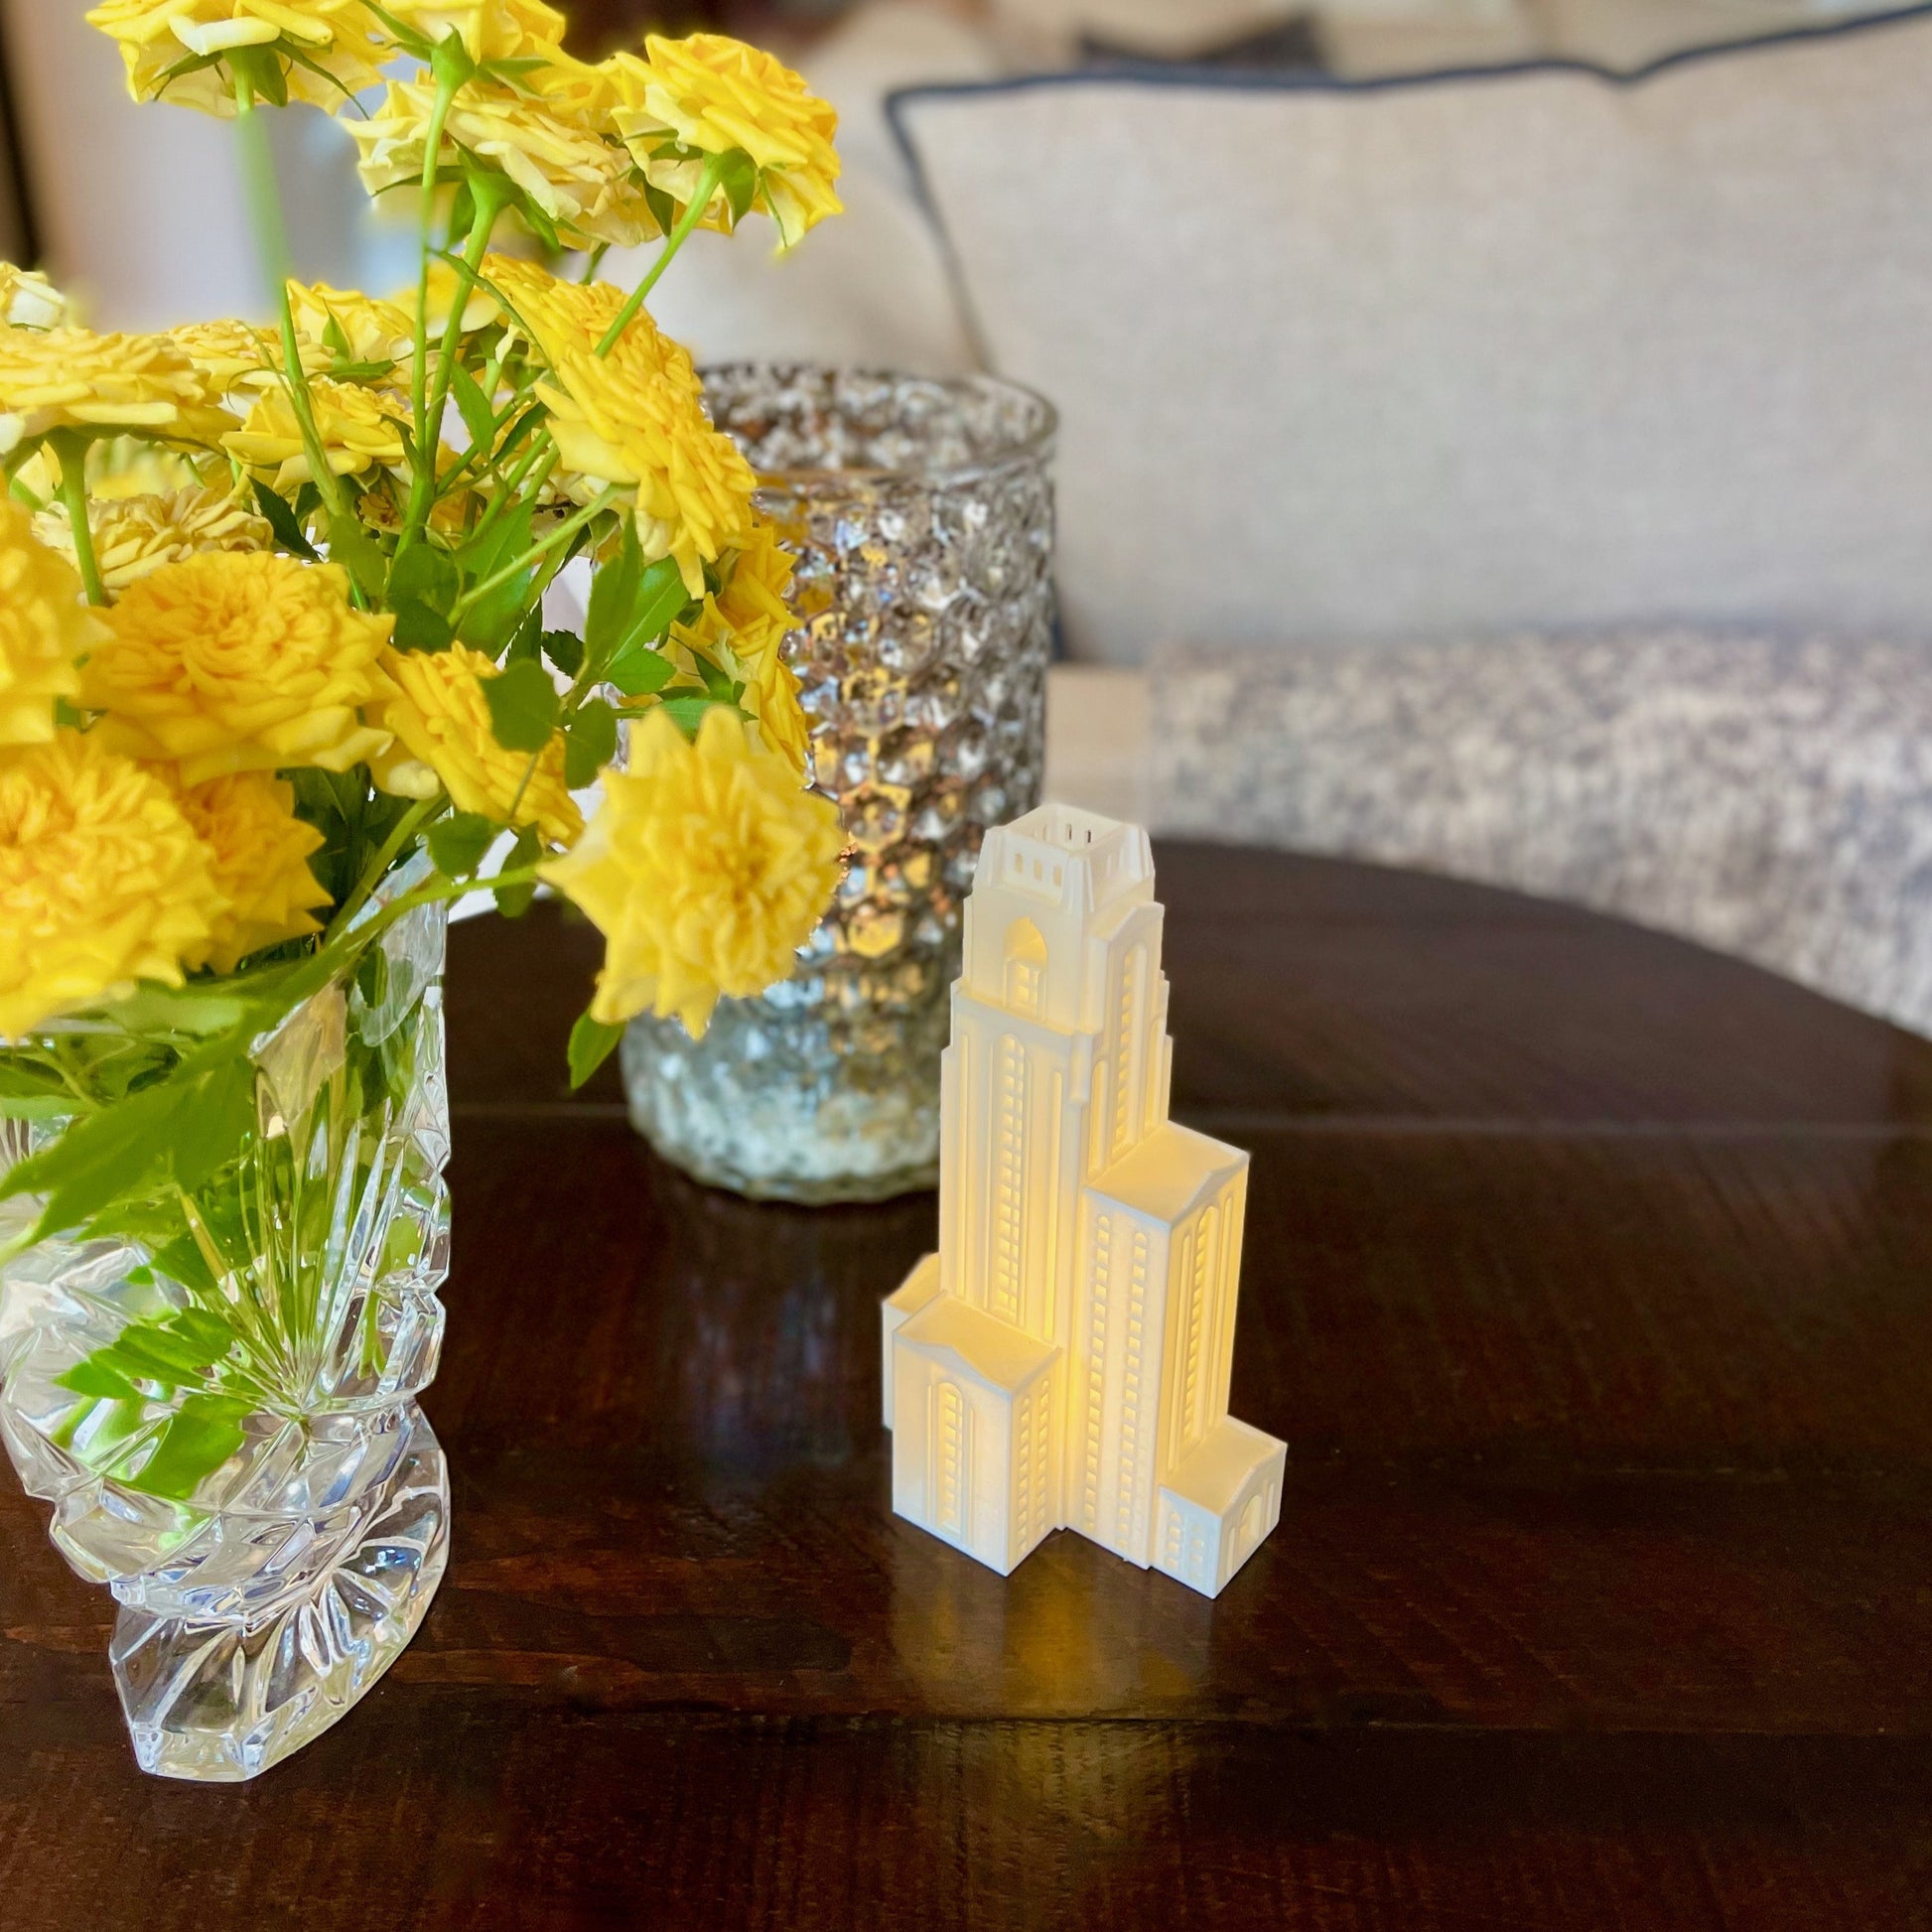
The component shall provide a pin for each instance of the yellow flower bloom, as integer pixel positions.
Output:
(45, 629)
(441, 722)
(704, 869)
(102, 880)
(136, 536)
(359, 430)
(715, 94)
(491, 30)
(583, 184)
(28, 299)
(375, 330)
(259, 853)
(157, 36)
(479, 308)
(72, 379)
(118, 467)
(635, 418)
(228, 662)
(238, 361)
(743, 629)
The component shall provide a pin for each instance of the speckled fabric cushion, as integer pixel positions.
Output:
(1771, 799)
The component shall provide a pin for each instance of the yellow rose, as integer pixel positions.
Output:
(583, 184)
(72, 379)
(441, 722)
(479, 308)
(102, 880)
(259, 853)
(714, 94)
(28, 299)
(706, 869)
(229, 662)
(358, 429)
(158, 36)
(136, 536)
(237, 360)
(491, 30)
(374, 331)
(743, 628)
(45, 629)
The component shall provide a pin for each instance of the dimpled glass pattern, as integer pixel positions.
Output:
(921, 516)
(257, 1610)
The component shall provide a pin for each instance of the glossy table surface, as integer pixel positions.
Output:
(1590, 1279)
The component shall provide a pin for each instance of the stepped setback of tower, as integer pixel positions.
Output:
(1063, 1362)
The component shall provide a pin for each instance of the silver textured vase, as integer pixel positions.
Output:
(261, 1599)
(921, 516)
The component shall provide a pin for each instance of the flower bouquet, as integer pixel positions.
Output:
(275, 688)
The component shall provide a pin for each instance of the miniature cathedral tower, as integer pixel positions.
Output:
(1064, 1360)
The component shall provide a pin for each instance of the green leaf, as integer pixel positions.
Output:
(207, 1328)
(98, 1159)
(565, 650)
(458, 844)
(351, 546)
(663, 209)
(591, 745)
(450, 65)
(95, 1378)
(420, 628)
(34, 1106)
(215, 1125)
(24, 1080)
(479, 418)
(406, 37)
(262, 68)
(201, 1436)
(515, 901)
(285, 522)
(688, 708)
(740, 181)
(154, 1353)
(424, 584)
(492, 619)
(429, 575)
(661, 600)
(591, 1042)
(528, 641)
(614, 599)
(522, 705)
(639, 669)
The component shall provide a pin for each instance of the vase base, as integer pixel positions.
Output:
(220, 1702)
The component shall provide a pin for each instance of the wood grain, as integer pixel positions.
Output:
(1586, 1277)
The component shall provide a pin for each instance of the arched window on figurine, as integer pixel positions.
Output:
(1026, 967)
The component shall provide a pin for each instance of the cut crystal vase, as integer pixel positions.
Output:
(922, 517)
(260, 1604)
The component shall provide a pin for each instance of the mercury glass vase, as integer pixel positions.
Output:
(257, 1608)
(921, 516)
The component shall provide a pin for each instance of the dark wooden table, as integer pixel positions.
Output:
(1590, 1279)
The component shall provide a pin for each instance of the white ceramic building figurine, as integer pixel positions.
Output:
(1062, 1361)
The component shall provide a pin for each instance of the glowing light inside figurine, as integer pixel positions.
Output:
(1062, 1361)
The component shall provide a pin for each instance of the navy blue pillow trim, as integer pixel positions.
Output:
(1240, 80)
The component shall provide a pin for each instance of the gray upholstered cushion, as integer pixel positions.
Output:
(1457, 356)
(1770, 799)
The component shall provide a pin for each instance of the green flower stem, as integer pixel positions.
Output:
(264, 196)
(439, 114)
(714, 172)
(70, 452)
(489, 200)
(561, 534)
(405, 828)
